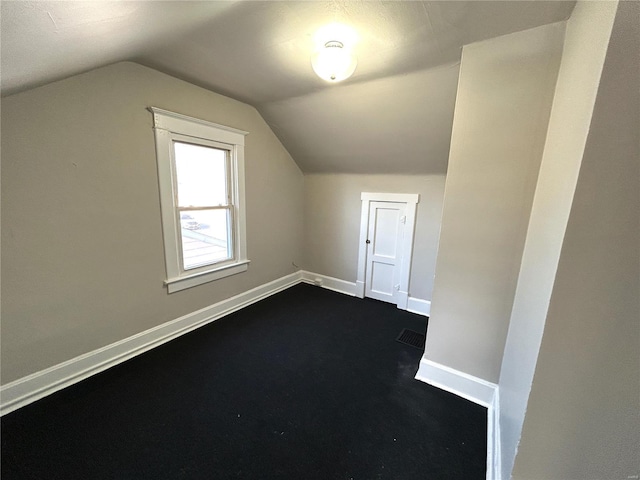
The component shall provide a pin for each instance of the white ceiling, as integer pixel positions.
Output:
(393, 116)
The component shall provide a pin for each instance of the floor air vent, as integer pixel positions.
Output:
(411, 338)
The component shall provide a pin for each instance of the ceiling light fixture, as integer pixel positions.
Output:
(334, 62)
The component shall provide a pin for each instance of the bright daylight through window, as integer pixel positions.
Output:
(201, 174)
(204, 204)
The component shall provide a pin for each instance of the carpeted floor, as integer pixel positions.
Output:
(307, 384)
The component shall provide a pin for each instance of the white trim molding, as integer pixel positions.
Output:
(33, 387)
(494, 455)
(172, 121)
(170, 129)
(403, 299)
(419, 306)
(462, 384)
(413, 305)
(330, 283)
(475, 390)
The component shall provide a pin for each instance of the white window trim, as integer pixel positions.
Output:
(166, 126)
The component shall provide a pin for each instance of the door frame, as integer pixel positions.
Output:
(411, 200)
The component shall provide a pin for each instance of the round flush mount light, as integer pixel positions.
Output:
(334, 62)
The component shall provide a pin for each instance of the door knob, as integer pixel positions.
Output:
(368, 242)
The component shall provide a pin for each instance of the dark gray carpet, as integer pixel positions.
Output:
(307, 384)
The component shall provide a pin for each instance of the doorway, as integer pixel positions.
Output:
(387, 226)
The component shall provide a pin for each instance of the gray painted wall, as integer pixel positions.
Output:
(502, 110)
(82, 254)
(332, 223)
(584, 50)
(583, 415)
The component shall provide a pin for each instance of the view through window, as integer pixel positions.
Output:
(203, 204)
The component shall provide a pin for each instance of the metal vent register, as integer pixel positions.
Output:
(411, 338)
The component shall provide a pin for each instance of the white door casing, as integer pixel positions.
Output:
(384, 264)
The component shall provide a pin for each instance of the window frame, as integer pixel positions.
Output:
(170, 127)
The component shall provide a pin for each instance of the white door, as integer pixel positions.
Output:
(384, 242)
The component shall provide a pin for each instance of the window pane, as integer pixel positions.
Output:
(201, 175)
(204, 237)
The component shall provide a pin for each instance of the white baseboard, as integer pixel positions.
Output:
(33, 387)
(475, 390)
(419, 306)
(462, 384)
(330, 283)
(356, 289)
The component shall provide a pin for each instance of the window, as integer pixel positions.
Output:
(201, 175)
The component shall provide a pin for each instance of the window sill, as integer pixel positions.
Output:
(191, 280)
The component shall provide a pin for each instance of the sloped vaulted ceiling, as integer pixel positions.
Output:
(394, 115)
